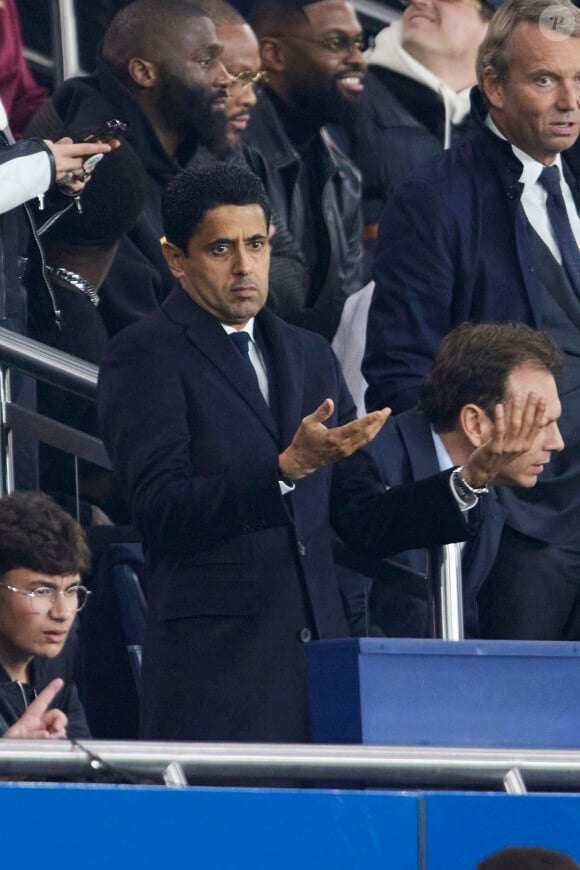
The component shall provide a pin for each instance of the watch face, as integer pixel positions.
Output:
(463, 490)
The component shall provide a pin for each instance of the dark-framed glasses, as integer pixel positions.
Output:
(407, 3)
(246, 78)
(339, 43)
(41, 600)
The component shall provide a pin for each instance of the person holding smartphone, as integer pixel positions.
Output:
(28, 169)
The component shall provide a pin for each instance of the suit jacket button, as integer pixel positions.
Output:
(305, 635)
(301, 548)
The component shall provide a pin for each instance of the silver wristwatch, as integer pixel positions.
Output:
(467, 493)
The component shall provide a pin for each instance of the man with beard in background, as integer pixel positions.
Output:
(288, 277)
(241, 58)
(160, 72)
(311, 53)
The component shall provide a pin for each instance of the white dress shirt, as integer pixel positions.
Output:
(256, 357)
(534, 197)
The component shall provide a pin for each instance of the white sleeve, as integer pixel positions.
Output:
(26, 171)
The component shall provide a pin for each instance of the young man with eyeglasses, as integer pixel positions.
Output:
(311, 53)
(43, 553)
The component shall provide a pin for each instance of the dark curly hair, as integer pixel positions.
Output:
(36, 533)
(473, 363)
(194, 192)
(528, 858)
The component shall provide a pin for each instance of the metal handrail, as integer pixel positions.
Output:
(446, 574)
(53, 366)
(60, 370)
(66, 371)
(64, 40)
(388, 766)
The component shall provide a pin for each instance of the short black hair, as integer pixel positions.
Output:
(473, 363)
(528, 858)
(145, 29)
(37, 534)
(221, 12)
(274, 17)
(194, 192)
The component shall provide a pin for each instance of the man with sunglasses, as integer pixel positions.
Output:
(241, 58)
(43, 553)
(311, 53)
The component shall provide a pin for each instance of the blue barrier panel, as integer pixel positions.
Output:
(461, 829)
(76, 827)
(415, 692)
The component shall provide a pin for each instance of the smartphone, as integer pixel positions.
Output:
(108, 131)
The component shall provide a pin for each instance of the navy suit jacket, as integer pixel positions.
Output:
(404, 452)
(452, 246)
(455, 245)
(240, 577)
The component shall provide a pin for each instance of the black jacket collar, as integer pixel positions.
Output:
(266, 133)
(89, 100)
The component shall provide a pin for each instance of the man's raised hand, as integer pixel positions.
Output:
(516, 426)
(40, 722)
(314, 446)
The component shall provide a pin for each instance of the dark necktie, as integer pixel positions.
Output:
(242, 342)
(550, 180)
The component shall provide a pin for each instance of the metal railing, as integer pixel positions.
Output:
(69, 373)
(387, 766)
(64, 40)
(54, 367)
(511, 770)
(63, 61)
(445, 576)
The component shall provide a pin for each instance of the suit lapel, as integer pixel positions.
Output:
(571, 166)
(480, 551)
(508, 168)
(208, 336)
(287, 357)
(416, 436)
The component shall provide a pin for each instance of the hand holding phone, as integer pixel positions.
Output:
(110, 130)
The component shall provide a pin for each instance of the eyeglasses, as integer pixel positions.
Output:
(341, 44)
(246, 78)
(407, 3)
(41, 600)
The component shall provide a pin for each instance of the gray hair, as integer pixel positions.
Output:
(494, 51)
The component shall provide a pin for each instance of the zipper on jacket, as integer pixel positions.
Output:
(56, 311)
(23, 693)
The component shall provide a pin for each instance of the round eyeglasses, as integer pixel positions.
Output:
(246, 78)
(341, 44)
(41, 600)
